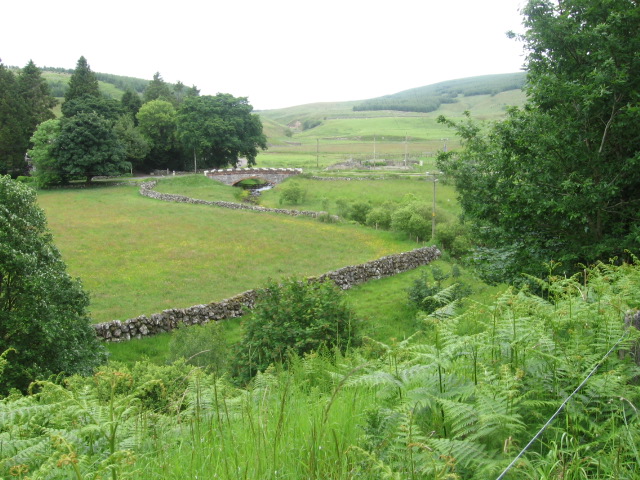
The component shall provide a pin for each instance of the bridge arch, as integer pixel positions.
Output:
(232, 176)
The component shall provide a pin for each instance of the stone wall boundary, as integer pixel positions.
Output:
(147, 190)
(238, 305)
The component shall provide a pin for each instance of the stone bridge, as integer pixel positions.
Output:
(231, 176)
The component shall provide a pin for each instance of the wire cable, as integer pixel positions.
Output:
(561, 407)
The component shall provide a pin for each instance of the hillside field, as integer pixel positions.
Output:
(139, 256)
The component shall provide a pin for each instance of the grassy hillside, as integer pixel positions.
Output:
(431, 97)
(343, 133)
(59, 81)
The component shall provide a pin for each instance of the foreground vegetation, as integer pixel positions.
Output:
(457, 400)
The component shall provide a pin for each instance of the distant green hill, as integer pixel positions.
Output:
(429, 98)
(111, 85)
(486, 97)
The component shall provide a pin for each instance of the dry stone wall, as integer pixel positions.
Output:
(147, 190)
(344, 278)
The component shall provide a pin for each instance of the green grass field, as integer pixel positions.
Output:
(137, 255)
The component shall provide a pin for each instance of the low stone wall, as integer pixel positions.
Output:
(344, 278)
(147, 190)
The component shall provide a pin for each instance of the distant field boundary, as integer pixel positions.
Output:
(147, 190)
(344, 278)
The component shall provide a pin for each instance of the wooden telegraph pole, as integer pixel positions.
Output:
(433, 211)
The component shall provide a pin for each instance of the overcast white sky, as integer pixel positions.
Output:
(279, 53)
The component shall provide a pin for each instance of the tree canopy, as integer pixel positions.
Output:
(88, 146)
(43, 311)
(557, 181)
(220, 129)
(25, 101)
(82, 82)
(35, 92)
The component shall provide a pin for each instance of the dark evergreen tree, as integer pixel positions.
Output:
(131, 103)
(105, 107)
(82, 82)
(193, 91)
(158, 90)
(36, 95)
(14, 125)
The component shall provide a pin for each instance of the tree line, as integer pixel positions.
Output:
(167, 127)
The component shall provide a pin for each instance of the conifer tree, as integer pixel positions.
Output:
(82, 82)
(158, 90)
(36, 95)
(14, 132)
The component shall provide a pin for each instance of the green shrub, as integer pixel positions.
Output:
(27, 180)
(359, 211)
(380, 217)
(414, 219)
(200, 345)
(454, 237)
(344, 208)
(292, 193)
(427, 295)
(296, 317)
(327, 218)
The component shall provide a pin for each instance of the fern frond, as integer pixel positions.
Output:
(461, 452)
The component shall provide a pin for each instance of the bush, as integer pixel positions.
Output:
(380, 217)
(359, 211)
(201, 346)
(344, 208)
(327, 218)
(292, 193)
(428, 296)
(28, 180)
(296, 317)
(454, 238)
(414, 219)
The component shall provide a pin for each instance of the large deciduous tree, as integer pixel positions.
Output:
(87, 146)
(220, 129)
(44, 322)
(43, 154)
(157, 123)
(558, 180)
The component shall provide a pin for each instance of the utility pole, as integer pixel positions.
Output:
(374, 149)
(433, 211)
(405, 150)
(317, 152)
